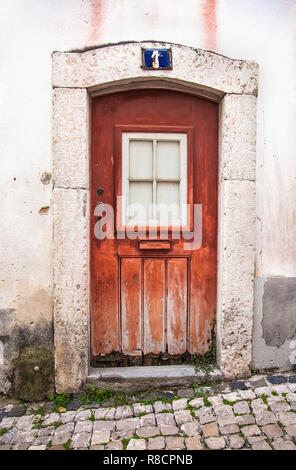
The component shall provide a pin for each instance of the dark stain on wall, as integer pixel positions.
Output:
(279, 311)
(28, 356)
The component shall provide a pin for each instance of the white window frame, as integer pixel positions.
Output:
(154, 137)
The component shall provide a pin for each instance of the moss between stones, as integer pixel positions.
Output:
(30, 384)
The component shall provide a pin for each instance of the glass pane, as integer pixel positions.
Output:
(168, 160)
(140, 158)
(140, 200)
(168, 202)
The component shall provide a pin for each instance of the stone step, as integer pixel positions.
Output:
(141, 378)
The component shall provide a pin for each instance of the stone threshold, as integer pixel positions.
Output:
(141, 378)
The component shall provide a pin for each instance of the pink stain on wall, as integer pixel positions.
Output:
(96, 7)
(208, 13)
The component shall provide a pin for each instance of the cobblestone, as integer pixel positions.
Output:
(168, 429)
(148, 431)
(261, 445)
(254, 415)
(272, 431)
(136, 444)
(236, 441)
(265, 417)
(182, 416)
(174, 443)
(193, 443)
(215, 443)
(156, 443)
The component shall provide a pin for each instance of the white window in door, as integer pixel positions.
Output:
(154, 179)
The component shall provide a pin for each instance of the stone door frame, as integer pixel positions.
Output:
(77, 77)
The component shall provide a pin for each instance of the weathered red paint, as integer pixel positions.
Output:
(97, 18)
(208, 12)
(160, 299)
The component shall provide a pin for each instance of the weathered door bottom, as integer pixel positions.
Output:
(121, 360)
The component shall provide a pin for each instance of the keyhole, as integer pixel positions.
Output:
(100, 191)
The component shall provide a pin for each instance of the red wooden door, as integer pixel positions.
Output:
(153, 300)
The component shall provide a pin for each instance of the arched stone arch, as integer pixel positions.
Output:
(79, 76)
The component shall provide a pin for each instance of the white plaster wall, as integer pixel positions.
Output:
(31, 29)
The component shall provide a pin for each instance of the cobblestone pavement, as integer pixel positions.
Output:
(258, 414)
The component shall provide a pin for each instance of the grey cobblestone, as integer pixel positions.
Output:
(148, 420)
(261, 445)
(83, 426)
(148, 431)
(252, 430)
(209, 418)
(114, 445)
(229, 429)
(136, 444)
(261, 417)
(265, 417)
(280, 406)
(182, 416)
(165, 418)
(191, 429)
(81, 440)
(241, 408)
(156, 443)
(168, 429)
(57, 439)
(103, 425)
(236, 441)
(128, 424)
(139, 408)
(123, 412)
(159, 406)
(82, 415)
(174, 443)
(215, 443)
(179, 404)
(100, 437)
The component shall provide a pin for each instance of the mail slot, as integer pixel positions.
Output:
(154, 245)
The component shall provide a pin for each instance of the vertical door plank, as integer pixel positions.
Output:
(105, 329)
(154, 305)
(177, 305)
(131, 306)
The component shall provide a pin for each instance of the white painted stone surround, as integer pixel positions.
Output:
(79, 76)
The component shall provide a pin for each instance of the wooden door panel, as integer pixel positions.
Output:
(105, 332)
(177, 288)
(131, 298)
(154, 305)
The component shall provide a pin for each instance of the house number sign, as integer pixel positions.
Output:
(157, 59)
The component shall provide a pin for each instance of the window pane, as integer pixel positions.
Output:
(168, 201)
(168, 159)
(140, 195)
(140, 159)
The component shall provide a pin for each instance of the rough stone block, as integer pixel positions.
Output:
(212, 71)
(174, 443)
(70, 138)
(210, 430)
(71, 288)
(238, 137)
(148, 431)
(156, 443)
(215, 443)
(100, 437)
(193, 443)
(136, 444)
(235, 281)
